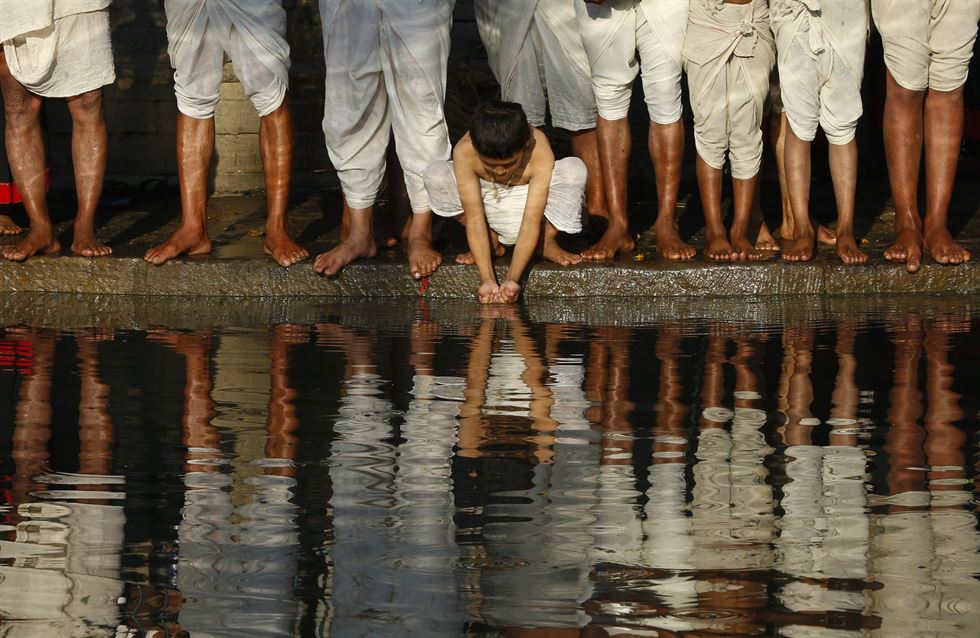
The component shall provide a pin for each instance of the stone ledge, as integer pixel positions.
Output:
(244, 277)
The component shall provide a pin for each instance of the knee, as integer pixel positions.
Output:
(437, 174)
(805, 127)
(21, 105)
(196, 106)
(87, 106)
(746, 159)
(572, 171)
(612, 99)
(839, 133)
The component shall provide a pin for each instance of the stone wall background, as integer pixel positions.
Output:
(141, 110)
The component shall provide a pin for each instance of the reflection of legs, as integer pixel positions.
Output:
(281, 426)
(844, 398)
(195, 147)
(276, 145)
(903, 441)
(32, 420)
(88, 152)
(945, 442)
(796, 386)
(25, 152)
(472, 426)
(671, 441)
(94, 425)
(607, 383)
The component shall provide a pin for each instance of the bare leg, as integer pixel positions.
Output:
(25, 152)
(798, 170)
(195, 146)
(276, 145)
(8, 227)
(709, 183)
(744, 196)
(614, 156)
(825, 236)
(943, 136)
(358, 244)
(843, 170)
(666, 143)
(423, 259)
(89, 142)
(550, 249)
(903, 147)
(585, 146)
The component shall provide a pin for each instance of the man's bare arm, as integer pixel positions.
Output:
(477, 234)
(543, 165)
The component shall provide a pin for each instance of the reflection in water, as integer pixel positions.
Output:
(492, 477)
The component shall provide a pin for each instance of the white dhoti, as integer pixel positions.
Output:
(536, 54)
(820, 47)
(201, 32)
(729, 56)
(57, 48)
(928, 43)
(504, 205)
(386, 73)
(614, 32)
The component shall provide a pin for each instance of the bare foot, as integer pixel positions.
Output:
(801, 249)
(943, 249)
(848, 251)
(423, 259)
(825, 236)
(283, 249)
(185, 241)
(743, 249)
(39, 241)
(467, 258)
(554, 253)
(8, 227)
(614, 241)
(347, 251)
(765, 241)
(718, 249)
(87, 244)
(907, 249)
(670, 245)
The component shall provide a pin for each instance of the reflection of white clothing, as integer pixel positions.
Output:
(386, 73)
(928, 43)
(57, 48)
(820, 47)
(504, 205)
(200, 32)
(614, 32)
(536, 53)
(728, 55)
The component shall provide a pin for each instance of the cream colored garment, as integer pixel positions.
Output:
(928, 43)
(57, 48)
(728, 56)
(201, 32)
(536, 54)
(820, 48)
(386, 73)
(504, 205)
(614, 32)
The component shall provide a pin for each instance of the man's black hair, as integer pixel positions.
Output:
(499, 129)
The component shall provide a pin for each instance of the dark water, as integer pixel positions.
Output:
(516, 472)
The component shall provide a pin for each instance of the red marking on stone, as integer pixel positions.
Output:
(423, 285)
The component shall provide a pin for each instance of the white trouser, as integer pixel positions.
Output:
(536, 53)
(386, 73)
(614, 32)
(200, 32)
(928, 43)
(729, 55)
(69, 56)
(820, 50)
(504, 205)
